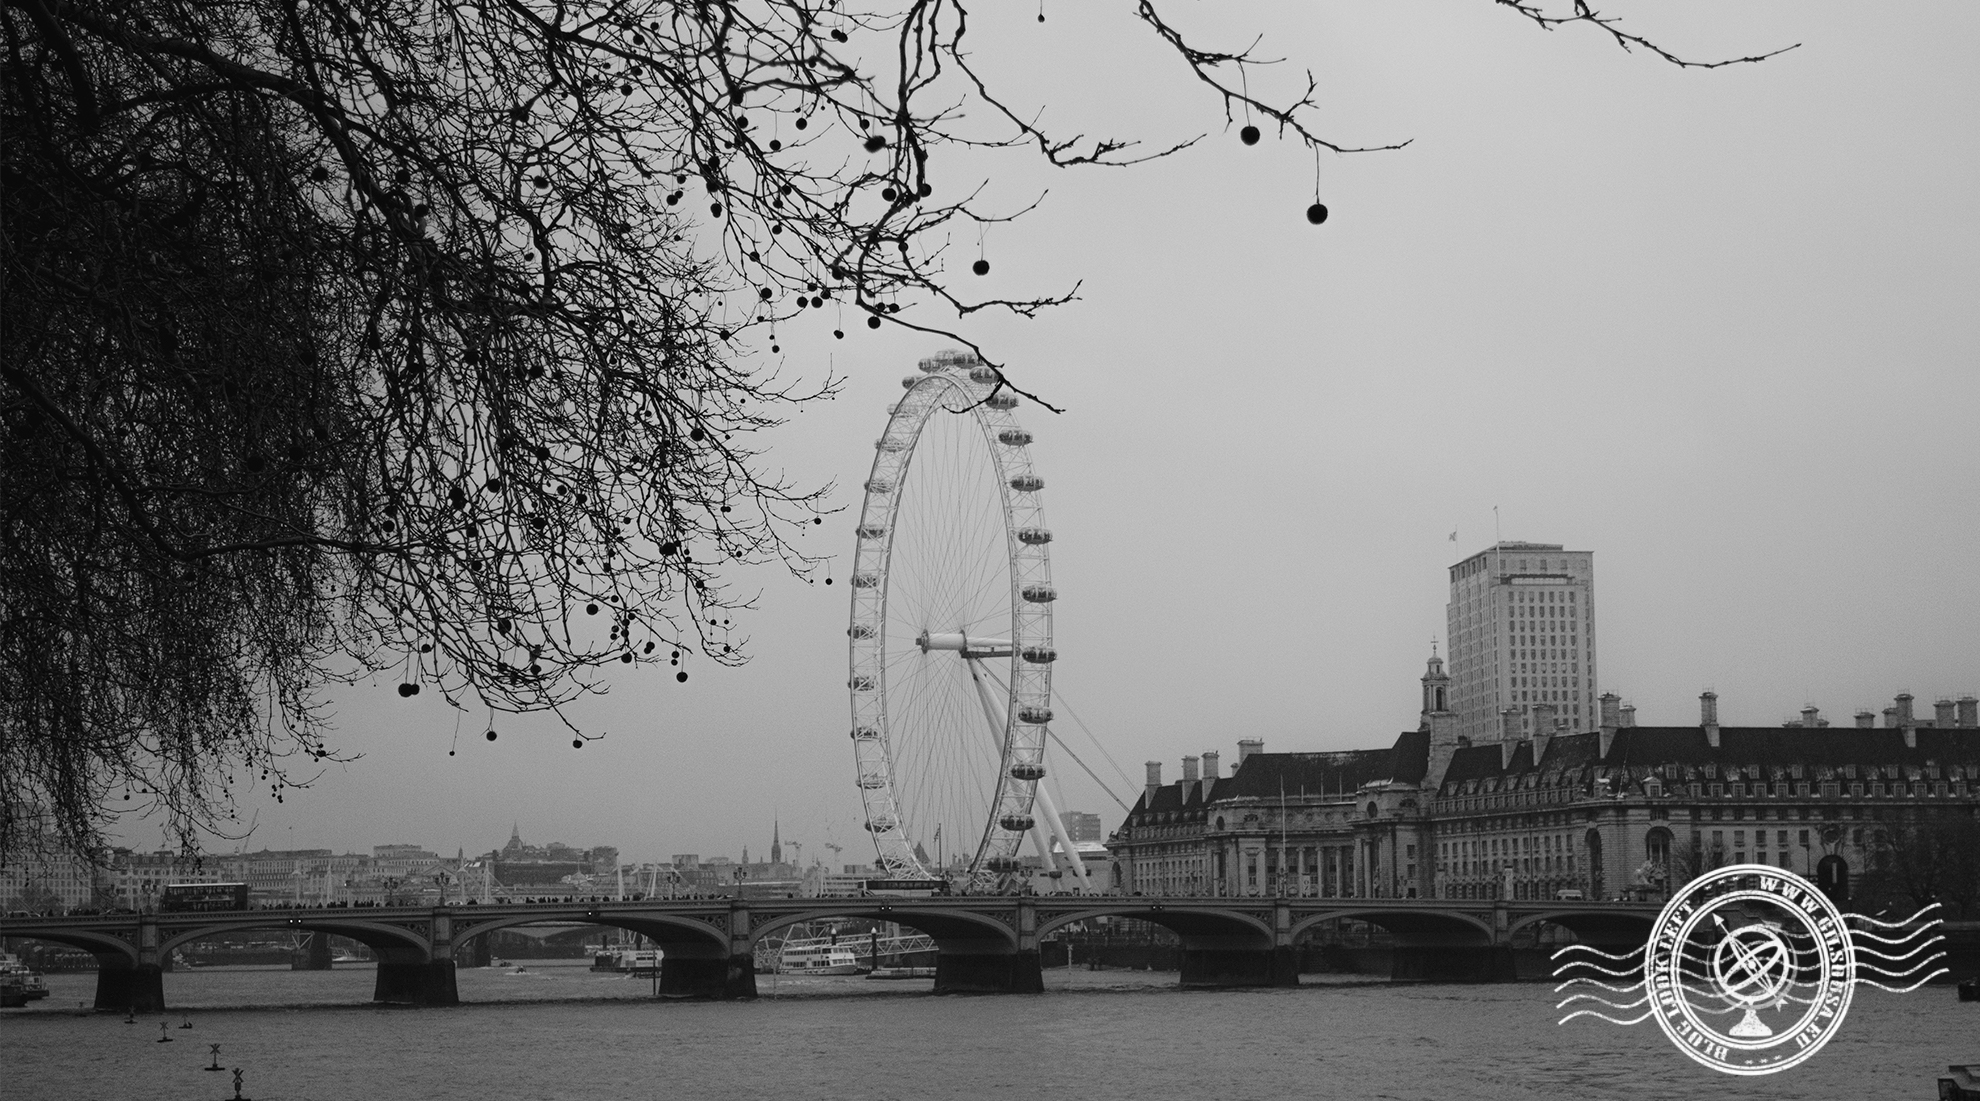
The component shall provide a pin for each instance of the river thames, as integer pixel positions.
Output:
(556, 1030)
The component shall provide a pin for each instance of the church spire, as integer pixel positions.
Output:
(776, 844)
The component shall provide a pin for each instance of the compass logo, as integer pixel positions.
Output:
(1750, 969)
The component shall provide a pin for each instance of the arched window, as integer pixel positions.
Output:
(1657, 847)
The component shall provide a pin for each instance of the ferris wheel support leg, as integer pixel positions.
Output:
(1057, 826)
(1052, 824)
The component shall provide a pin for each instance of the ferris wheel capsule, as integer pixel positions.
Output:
(943, 360)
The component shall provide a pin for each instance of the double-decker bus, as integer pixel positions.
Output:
(184, 897)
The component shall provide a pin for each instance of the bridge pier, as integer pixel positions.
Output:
(136, 988)
(685, 973)
(996, 969)
(415, 982)
(1206, 966)
(1452, 963)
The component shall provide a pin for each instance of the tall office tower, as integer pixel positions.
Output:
(1521, 628)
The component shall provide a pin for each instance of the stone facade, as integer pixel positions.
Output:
(1614, 812)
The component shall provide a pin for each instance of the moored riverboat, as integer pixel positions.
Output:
(19, 976)
(814, 957)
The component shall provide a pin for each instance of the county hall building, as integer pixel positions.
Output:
(1521, 782)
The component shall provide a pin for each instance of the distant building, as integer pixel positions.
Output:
(552, 869)
(1081, 826)
(1521, 629)
(136, 881)
(44, 882)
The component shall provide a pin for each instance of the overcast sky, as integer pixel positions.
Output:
(1716, 327)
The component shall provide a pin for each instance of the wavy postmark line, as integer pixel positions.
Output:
(1596, 951)
(1897, 924)
(1600, 1016)
(1560, 971)
(1906, 989)
(1887, 973)
(1857, 936)
(1578, 981)
(1901, 957)
(1632, 1004)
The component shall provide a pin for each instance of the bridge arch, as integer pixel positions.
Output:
(1599, 927)
(1222, 945)
(941, 926)
(384, 938)
(670, 932)
(1444, 928)
(1184, 921)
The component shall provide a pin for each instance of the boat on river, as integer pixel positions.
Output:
(628, 961)
(819, 957)
(22, 982)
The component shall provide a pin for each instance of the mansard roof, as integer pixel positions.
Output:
(1640, 749)
(1179, 796)
(1765, 746)
(1265, 775)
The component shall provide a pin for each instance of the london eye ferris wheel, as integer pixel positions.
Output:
(951, 636)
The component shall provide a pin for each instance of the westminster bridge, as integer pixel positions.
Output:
(984, 944)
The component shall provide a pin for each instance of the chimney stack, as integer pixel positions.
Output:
(1610, 720)
(1904, 709)
(1249, 746)
(1890, 718)
(1210, 765)
(1545, 723)
(1969, 711)
(1811, 717)
(1154, 779)
(1189, 770)
(1866, 719)
(1627, 717)
(1708, 716)
(1942, 712)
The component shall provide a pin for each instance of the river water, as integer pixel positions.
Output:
(558, 1031)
